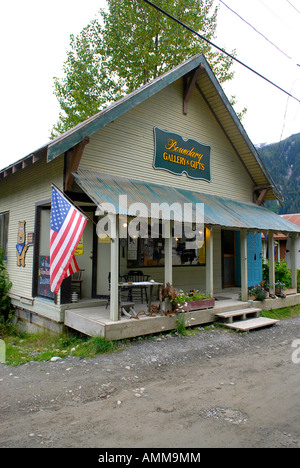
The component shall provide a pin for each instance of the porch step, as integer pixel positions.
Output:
(251, 324)
(229, 316)
(244, 319)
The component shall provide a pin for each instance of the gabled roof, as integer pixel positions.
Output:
(212, 93)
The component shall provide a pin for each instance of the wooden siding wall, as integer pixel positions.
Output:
(19, 194)
(126, 146)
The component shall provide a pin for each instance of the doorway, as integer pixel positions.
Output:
(228, 258)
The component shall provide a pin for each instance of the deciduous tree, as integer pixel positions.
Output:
(130, 44)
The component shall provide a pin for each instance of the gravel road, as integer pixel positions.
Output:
(216, 389)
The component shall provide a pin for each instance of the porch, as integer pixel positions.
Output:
(223, 261)
(95, 321)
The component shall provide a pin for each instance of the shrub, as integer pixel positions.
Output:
(5, 285)
(282, 273)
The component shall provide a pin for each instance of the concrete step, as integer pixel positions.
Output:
(251, 324)
(229, 316)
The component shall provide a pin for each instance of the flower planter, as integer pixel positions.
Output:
(251, 298)
(288, 292)
(197, 305)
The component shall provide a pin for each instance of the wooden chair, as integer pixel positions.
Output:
(123, 289)
(135, 276)
(76, 282)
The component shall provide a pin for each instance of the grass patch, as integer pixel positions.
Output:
(281, 314)
(180, 324)
(26, 347)
(43, 346)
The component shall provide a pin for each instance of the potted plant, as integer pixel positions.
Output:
(279, 287)
(182, 302)
(257, 292)
(195, 300)
(265, 285)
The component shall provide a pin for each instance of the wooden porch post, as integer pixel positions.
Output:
(209, 262)
(244, 266)
(114, 269)
(168, 254)
(294, 260)
(271, 262)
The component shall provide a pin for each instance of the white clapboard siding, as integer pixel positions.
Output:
(19, 194)
(125, 147)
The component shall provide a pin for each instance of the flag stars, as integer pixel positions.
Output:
(59, 211)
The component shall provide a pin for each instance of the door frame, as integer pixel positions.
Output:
(228, 255)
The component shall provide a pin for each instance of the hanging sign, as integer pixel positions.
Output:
(79, 248)
(174, 154)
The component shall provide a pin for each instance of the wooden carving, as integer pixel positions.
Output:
(21, 244)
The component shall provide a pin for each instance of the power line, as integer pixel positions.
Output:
(293, 6)
(273, 12)
(219, 48)
(256, 30)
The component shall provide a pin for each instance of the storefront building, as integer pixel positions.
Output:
(176, 141)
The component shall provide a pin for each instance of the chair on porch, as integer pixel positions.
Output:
(76, 282)
(123, 289)
(136, 276)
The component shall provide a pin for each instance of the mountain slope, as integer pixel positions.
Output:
(282, 160)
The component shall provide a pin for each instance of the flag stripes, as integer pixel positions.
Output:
(66, 227)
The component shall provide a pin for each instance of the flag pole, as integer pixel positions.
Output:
(73, 203)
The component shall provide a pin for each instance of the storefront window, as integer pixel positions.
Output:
(151, 253)
(4, 217)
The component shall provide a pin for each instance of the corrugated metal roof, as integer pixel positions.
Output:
(292, 218)
(225, 212)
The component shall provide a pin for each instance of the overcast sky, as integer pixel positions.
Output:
(34, 38)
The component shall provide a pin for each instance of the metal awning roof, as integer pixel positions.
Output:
(105, 191)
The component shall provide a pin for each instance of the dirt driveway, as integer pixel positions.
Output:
(215, 389)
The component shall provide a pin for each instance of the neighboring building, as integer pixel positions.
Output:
(280, 246)
(283, 243)
(295, 219)
(203, 155)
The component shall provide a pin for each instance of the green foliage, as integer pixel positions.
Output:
(281, 314)
(181, 298)
(177, 302)
(180, 324)
(258, 291)
(94, 346)
(87, 85)
(283, 163)
(282, 273)
(43, 346)
(5, 302)
(127, 46)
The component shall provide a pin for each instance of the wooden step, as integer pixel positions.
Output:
(251, 324)
(231, 314)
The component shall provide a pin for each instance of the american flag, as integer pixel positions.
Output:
(66, 227)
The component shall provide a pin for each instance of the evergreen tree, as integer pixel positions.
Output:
(283, 163)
